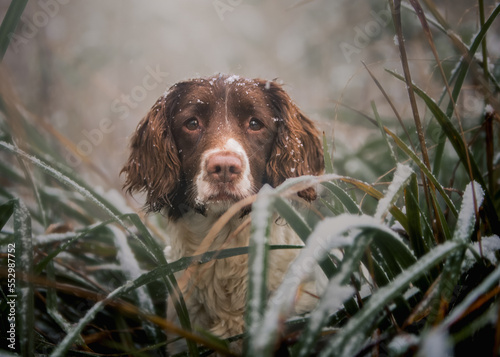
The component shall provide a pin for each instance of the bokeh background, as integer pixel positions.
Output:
(87, 71)
(79, 75)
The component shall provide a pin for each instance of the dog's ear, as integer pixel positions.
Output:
(297, 149)
(154, 166)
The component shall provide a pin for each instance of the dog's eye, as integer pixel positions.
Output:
(255, 124)
(192, 124)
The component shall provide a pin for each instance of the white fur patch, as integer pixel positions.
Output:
(240, 189)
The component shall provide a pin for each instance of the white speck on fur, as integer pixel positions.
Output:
(232, 79)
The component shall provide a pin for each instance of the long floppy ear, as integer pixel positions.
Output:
(154, 166)
(297, 149)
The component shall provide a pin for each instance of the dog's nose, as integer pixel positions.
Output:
(224, 168)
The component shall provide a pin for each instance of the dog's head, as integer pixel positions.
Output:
(210, 142)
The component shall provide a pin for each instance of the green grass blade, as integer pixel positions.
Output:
(446, 124)
(445, 229)
(168, 278)
(327, 235)
(336, 293)
(334, 207)
(6, 211)
(417, 242)
(75, 332)
(326, 156)
(353, 335)
(394, 251)
(9, 24)
(300, 226)
(467, 217)
(294, 219)
(257, 265)
(61, 177)
(384, 135)
(401, 178)
(296, 184)
(491, 280)
(344, 197)
(458, 145)
(145, 235)
(462, 234)
(25, 318)
(185, 262)
(426, 171)
(461, 74)
(69, 241)
(131, 270)
(29, 178)
(52, 304)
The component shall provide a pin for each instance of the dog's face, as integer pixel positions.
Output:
(224, 136)
(211, 142)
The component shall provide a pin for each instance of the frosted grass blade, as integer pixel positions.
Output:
(417, 241)
(327, 235)
(131, 270)
(400, 180)
(257, 264)
(384, 135)
(326, 157)
(336, 293)
(458, 145)
(72, 184)
(351, 206)
(24, 270)
(462, 234)
(461, 73)
(9, 24)
(6, 211)
(300, 226)
(353, 335)
(294, 219)
(426, 171)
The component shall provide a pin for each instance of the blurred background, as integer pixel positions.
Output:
(85, 72)
(78, 76)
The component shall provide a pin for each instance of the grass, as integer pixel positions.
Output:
(419, 271)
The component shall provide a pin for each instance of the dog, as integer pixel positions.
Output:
(206, 144)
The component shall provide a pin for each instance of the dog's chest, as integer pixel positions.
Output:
(216, 292)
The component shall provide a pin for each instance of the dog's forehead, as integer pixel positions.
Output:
(232, 93)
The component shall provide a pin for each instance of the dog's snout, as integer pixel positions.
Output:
(224, 167)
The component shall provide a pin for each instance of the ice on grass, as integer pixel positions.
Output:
(490, 248)
(331, 233)
(130, 268)
(402, 343)
(436, 344)
(473, 197)
(260, 221)
(401, 177)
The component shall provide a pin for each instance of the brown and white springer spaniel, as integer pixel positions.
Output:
(206, 144)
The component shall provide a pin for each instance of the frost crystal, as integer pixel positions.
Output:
(466, 216)
(490, 248)
(401, 176)
(396, 40)
(436, 344)
(232, 79)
